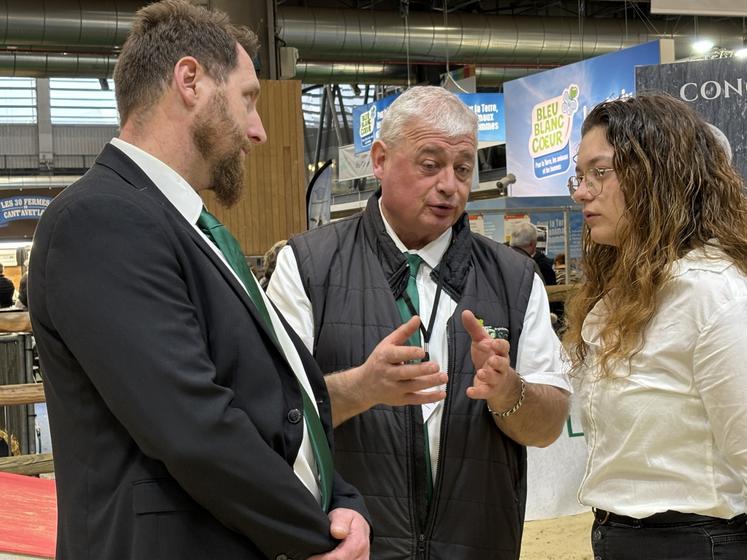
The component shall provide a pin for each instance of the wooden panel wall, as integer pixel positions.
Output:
(273, 205)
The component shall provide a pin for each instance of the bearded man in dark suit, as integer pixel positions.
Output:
(175, 391)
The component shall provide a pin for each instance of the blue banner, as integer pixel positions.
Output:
(488, 107)
(22, 208)
(490, 113)
(367, 120)
(545, 112)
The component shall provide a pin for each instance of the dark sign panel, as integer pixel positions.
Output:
(716, 88)
(20, 210)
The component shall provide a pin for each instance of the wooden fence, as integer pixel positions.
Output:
(23, 394)
(30, 393)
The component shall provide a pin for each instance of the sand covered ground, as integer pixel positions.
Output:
(564, 538)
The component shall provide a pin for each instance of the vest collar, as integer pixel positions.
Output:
(453, 267)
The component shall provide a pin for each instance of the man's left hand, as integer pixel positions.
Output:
(495, 380)
(352, 530)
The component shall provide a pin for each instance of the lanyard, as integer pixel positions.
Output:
(426, 333)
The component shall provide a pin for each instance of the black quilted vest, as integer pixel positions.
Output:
(352, 273)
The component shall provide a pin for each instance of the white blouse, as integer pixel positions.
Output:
(668, 431)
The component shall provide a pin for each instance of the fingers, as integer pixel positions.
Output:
(497, 379)
(400, 354)
(497, 362)
(473, 326)
(399, 336)
(354, 544)
(424, 382)
(500, 347)
(424, 397)
(480, 393)
(406, 372)
(484, 384)
(340, 520)
(481, 338)
(421, 389)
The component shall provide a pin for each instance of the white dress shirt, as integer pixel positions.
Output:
(539, 355)
(668, 431)
(189, 204)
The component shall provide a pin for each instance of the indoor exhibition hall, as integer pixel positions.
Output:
(237, 209)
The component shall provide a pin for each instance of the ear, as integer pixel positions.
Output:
(188, 77)
(378, 157)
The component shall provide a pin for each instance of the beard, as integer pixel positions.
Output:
(212, 130)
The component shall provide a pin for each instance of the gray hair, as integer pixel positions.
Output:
(523, 234)
(433, 106)
(721, 139)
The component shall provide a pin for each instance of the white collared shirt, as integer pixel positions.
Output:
(668, 431)
(189, 204)
(539, 355)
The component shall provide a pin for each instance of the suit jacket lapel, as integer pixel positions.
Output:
(117, 161)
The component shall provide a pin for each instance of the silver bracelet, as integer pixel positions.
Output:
(517, 406)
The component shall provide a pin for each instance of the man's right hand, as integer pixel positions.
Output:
(386, 377)
(352, 530)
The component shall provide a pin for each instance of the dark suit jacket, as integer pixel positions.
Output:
(545, 265)
(175, 420)
(534, 263)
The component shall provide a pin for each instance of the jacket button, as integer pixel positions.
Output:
(282, 556)
(294, 417)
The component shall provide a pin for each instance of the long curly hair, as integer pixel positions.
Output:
(680, 193)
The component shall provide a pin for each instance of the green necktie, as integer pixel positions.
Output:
(231, 249)
(413, 262)
(219, 234)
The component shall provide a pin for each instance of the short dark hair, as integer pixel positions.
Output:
(164, 32)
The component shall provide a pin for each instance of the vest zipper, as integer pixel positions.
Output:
(450, 368)
(421, 545)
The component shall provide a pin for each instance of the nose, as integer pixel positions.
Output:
(582, 193)
(448, 182)
(256, 131)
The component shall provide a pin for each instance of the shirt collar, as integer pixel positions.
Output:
(173, 186)
(708, 257)
(431, 254)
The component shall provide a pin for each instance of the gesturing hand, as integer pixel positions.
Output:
(494, 378)
(387, 377)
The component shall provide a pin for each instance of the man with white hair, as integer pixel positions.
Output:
(440, 360)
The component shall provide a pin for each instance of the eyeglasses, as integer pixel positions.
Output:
(594, 179)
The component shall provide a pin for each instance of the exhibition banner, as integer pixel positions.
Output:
(487, 106)
(20, 210)
(545, 111)
(491, 116)
(716, 88)
(367, 121)
(14, 208)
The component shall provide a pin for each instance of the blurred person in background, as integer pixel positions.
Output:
(7, 289)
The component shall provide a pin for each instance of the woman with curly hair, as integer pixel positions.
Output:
(657, 334)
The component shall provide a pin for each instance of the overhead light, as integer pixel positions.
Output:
(741, 53)
(702, 46)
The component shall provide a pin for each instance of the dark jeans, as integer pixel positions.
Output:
(709, 539)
